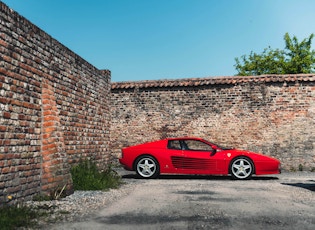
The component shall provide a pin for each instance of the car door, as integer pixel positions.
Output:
(196, 157)
(174, 154)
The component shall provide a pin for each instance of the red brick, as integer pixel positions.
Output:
(48, 123)
(3, 43)
(4, 100)
(50, 118)
(20, 136)
(49, 129)
(6, 115)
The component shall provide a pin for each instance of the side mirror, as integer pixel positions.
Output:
(213, 152)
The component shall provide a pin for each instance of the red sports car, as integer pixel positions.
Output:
(187, 155)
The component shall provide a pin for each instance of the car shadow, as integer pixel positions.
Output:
(198, 177)
(309, 186)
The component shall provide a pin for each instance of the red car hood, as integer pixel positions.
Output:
(239, 152)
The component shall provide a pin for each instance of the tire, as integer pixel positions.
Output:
(147, 167)
(241, 168)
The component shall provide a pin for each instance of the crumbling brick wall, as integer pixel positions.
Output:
(54, 110)
(274, 115)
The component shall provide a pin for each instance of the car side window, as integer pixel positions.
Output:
(197, 145)
(174, 144)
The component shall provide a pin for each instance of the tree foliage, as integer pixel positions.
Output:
(297, 57)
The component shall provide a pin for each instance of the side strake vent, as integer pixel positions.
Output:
(193, 163)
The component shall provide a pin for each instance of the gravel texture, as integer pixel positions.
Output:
(78, 206)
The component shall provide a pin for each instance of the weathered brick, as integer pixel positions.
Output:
(6, 115)
(41, 96)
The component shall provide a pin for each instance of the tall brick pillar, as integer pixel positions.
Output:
(55, 168)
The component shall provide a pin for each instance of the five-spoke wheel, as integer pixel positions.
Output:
(241, 168)
(147, 167)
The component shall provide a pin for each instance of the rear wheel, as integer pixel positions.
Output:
(147, 167)
(241, 168)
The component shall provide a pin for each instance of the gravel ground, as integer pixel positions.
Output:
(285, 201)
(78, 206)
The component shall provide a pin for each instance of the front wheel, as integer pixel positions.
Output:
(147, 167)
(241, 168)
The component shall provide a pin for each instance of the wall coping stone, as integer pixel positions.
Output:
(213, 81)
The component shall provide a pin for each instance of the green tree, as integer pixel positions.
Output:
(295, 58)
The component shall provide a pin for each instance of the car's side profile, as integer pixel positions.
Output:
(190, 155)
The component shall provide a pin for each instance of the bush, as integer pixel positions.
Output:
(12, 217)
(86, 176)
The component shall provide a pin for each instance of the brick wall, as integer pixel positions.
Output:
(274, 115)
(54, 110)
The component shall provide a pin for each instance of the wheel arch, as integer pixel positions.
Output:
(241, 156)
(134, 164)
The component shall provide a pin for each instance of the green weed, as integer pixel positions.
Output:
(12, 217)
(86, 176)
(41, 197)
(292, 169)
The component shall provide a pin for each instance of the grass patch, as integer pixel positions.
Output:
(41, 197)
(86, 176)
(12, 217)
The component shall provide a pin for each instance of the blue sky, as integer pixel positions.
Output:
(168, 39)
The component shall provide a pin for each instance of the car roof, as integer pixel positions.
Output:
(184, 138)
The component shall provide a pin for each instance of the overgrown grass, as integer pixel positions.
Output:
(86, 176)
(12, 217)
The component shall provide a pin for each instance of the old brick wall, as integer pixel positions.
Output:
(274, 115)
(54, 110)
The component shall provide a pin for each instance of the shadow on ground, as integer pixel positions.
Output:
(309, 186)
(198, 177)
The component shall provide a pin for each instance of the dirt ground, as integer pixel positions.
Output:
(285, 201)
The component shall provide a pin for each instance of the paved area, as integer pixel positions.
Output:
(285, 201)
